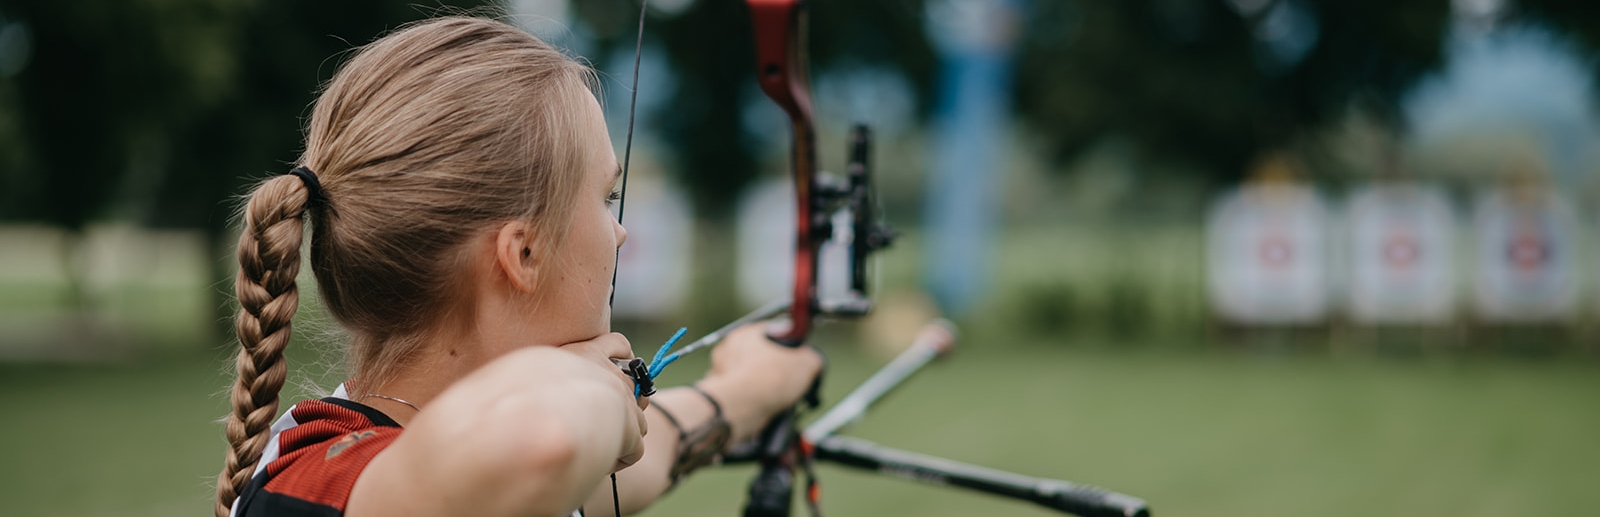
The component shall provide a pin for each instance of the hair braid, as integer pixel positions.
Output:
(269, 259)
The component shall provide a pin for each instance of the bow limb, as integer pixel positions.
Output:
(782, 70)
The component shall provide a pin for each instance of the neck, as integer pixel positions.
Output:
(422, 380)
(449, 354)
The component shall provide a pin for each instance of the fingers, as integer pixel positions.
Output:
(633, 444)
(612, 344)
(610, 349)
(632, 449)
(629, 460)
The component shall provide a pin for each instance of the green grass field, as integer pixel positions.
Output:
(1201, 433)
(1196, 422)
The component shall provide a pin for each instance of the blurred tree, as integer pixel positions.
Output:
(160, 111)
(176, 103)
(101, 90)
(1579, 18)
(285, 50)
(713, 53)
(1206, 83)
(1213, 83)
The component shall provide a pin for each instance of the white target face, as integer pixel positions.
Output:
(1276, 250)
(1526, 256)
(1266, 256)
(1528, 252)
(1401, 249)
(1401, 255)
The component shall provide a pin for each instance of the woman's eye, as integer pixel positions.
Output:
(613, 197)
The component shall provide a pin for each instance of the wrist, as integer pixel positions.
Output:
(740, 407)
(701, 438)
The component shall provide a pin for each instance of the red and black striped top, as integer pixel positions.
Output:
(318, 450)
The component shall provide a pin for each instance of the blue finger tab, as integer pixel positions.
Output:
(643, 385)
(658, 363)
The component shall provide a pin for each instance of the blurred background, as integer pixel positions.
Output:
(1236, 257)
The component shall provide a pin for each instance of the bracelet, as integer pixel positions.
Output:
(715, 407)
(702, 445)
(670, 419)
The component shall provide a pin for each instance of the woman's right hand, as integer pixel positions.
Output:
(755, 378)
(605, 350)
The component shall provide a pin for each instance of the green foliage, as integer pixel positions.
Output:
(1186, 79)
(104, 78)
(1579, 18)
(163, 109)
(159, 111)
(712, 51)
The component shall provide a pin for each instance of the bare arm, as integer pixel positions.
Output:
(531, 433)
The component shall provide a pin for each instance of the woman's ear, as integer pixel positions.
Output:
(514, 256)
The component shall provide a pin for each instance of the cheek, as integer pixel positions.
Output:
(603, 246)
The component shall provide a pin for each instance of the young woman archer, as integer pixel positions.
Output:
(456, 180)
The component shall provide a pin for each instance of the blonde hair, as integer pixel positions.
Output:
(425, 138)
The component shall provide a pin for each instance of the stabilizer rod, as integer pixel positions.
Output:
(1083, 500)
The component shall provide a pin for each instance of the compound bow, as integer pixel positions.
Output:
(843, 210)
(783, 72)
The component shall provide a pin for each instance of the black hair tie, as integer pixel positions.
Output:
(314, 194)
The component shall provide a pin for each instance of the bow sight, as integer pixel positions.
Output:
(851, 200)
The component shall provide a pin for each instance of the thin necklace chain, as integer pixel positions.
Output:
(386, 397)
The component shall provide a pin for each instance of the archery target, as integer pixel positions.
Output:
(1266, 256)
(1526, 256)
(653, 266)
(1401, 253)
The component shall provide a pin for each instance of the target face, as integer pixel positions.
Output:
(1527, 256)
(1529, 250)
(1400, 250)
(1265, 254)
(1401, 254)
(1277, 251)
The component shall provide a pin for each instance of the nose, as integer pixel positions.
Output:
(621, 233)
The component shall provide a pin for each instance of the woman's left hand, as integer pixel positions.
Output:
(755, 378)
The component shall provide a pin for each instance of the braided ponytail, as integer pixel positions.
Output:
(269, 259)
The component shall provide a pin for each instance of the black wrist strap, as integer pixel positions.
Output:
(714, 405)
(672, 419)
(702, 445)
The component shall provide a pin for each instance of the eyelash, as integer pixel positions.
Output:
(613, 197)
